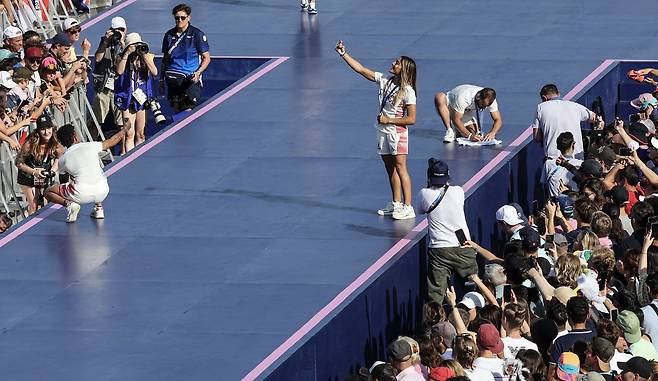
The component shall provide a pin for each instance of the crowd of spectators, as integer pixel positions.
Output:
(40, 80)
(572, 293)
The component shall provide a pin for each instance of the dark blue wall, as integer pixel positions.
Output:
(357, 334)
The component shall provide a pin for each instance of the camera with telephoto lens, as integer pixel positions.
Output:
(142, 48)
(156, 109)
(115, 36)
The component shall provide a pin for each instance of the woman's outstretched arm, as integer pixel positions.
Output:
(354, 64)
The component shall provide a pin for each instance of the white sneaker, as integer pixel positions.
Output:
(97, 213)
(449, 136)
(304, 5)
(312, 11)
(73, 209)
(389, 208)
(406, 211)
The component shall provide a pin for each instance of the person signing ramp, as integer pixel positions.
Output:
(81, 162)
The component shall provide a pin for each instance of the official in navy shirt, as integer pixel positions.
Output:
(186, 57)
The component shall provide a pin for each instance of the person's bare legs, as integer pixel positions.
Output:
(403, 176)
(140, 125)
(129, 139)
(52, 194)
(441, 105)
(393, 178)
(28, 192)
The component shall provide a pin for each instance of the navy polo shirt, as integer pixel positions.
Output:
(185, 58)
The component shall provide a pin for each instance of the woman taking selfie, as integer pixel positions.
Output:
(397, 110)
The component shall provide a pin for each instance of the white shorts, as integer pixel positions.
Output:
(396, 143)
(84, 193)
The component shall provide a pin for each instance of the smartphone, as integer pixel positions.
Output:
(614, 314)
(507, 293)
(461, 237)
(603, 276)
(654, 230)
(624, 151)
(549, 238)
(652, 220)
(535, 208)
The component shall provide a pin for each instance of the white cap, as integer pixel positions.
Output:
(70, 23)
(473, 299)
(374, 365)
(6, 81)
(12, 32)
(118, 22)
(508, 214)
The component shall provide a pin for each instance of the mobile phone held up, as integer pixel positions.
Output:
(624, 151)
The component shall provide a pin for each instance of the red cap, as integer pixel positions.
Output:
(34, 52)
(441, 374)
(489, 338)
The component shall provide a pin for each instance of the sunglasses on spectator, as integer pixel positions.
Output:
(180, 18)
(76, 30)
(34, 60)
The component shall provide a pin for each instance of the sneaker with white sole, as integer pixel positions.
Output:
(72, 212)
(449, 136)
(304, 5)
(406, 211)
(389, 208)
(97, 213)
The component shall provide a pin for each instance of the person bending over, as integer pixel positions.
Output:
(460, 110)
(87, 183)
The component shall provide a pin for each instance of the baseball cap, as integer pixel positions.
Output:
(644, 101)
(400, 350)
(606, 155)
(560, 239)
(44, 122)
(438, 172)
(489, 338)
(118, 22)
(441, 373)
(472, 299)
(618, 194)
(12, 32)
(22, 73)
(638, 365)
(49, 64)
(568, 366)
(508, 215)
(604, 350)
(34, 52)
(530, 239)
(70, 23)
(563, 294)
(591, 376)
(630, 325)
(444, 330)
(639, 132)
(591, 167)
(6, 81)
(60, 39)
(519, 212)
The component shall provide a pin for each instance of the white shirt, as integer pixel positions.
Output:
(409, 374)
(493, 365)
(513, 346)
(553, 173)
(447, 355)
(479, 374)
(617, 358)
(82, 162)
(461, 99)
(446, 218)
(387, 94)
(557, 116)
(651, 322)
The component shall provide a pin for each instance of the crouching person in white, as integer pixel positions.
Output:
(87, 183)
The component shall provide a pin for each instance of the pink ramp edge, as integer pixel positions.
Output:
(370, 271)
(44, 213)
(91, 22)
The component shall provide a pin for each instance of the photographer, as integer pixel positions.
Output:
(186, 57)
(133, 88)
(104, 74)
(37, 163)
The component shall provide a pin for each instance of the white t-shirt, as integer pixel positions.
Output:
(553, 173)
(479, 374)
(82, 162)
(557, 116)
(513, 346)
(387, 93)
(462, 99)
(651, 322)
(493, 365)
(446, 218)
(617, 358)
